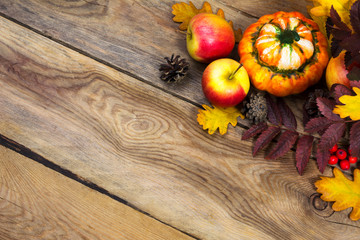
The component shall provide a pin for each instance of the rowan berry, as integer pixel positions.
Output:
(333, 160)
(334, 148)
(341, 154)
(353, 159)
(344, 164)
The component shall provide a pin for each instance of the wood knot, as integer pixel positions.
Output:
(319, 206)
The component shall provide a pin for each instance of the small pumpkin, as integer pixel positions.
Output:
(284, 53)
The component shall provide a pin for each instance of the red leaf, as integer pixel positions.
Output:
(355, 16)
(317, 124)
(355, 139)
(287, 116)
(265, 138)
(331, 136)
(326, 107)
(254, 130)
(273, 111)
(355, 84)
(340, 90)
(286, 140)
(303, 152)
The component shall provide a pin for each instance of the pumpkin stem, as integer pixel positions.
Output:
(288, 36)
(232, 75)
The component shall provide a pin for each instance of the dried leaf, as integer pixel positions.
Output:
(184, 12)
(326, 107)
(331, 136)
(321, 10)
(273, 111)
(354, 74)
(339, 90)
(342, 191)
(214, 118)
(254, 130)
(336, 20)
(265, 138)
(355, 84)
(355, 16)
(303, 152)
(287, 116)
(351, 107)
(317, 125)
(286, 140)
(355, 139)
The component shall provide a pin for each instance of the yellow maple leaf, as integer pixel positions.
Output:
(321, 10)
(184, 12)
(217, 117)
(351, 107)
(342, 191)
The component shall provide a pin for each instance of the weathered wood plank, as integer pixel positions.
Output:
(39, 203)
(145, 146)
(134, 36)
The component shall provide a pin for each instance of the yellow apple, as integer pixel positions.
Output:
(225, 82)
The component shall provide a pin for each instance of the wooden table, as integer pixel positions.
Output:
(109, 151)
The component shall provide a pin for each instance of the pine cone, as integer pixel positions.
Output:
(175, 69)
(255, 107)
(310, 105)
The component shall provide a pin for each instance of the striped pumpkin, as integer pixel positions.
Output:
(283, 53)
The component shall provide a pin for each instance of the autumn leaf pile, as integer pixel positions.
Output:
(340, 21)
(346, 38)
(335, 116)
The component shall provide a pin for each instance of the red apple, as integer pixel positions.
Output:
(209, 37)
(336, 71)
(225, 82)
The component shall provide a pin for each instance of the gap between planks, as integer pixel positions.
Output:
(26, 152)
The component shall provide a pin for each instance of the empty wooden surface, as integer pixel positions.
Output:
(79, 86)
(38, 203)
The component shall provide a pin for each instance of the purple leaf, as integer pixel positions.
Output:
(317, 124)
(336, 20)
(273, 111)
(351, 43)
(355, 84)
(355, 16)
(354, 74)
(286, 140)
(287, 116)
(355, 139)
(331, 136)
(303, 152)
(265, 138)
(326, 107)
(340, 90)
(254, 130)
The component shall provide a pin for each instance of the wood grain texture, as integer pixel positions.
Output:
(39, 203)
(134, 36)
(145, 146)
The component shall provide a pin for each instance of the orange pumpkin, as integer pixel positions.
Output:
(284, 53)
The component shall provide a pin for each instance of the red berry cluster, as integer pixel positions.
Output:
(341, 154)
